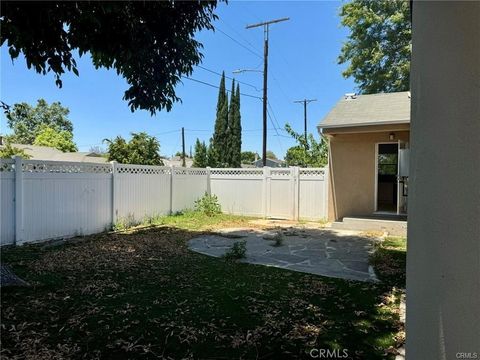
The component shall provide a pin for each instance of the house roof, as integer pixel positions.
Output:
(177, 161)
(366, 110)
(259, 162)
(272, 160)
(48, 153)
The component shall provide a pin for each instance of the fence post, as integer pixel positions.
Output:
(209, 182)
(266, 191)
(18, 201)
(296, 192)
(326, 183)
(114, 190)
(172, 175)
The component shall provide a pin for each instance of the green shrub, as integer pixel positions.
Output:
(237, 251)
(152, 219)
(208, 205)
(278, 238)
(125, 223)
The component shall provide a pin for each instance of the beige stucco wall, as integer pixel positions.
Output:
(352, 169)
(443, 257)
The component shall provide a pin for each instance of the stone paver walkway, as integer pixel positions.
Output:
(334, 253)
(8, 278)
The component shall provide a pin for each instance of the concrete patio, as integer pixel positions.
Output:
(333, 253)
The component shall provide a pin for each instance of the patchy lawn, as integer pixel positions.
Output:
(390, 260)
(142, 294)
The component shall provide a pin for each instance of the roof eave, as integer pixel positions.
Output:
(370, 123)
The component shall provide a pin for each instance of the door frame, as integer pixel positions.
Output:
(375, 193)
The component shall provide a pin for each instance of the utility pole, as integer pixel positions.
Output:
(305, 102)
(183, 148)
(265, 77)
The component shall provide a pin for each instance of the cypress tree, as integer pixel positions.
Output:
(200, 157)
(238, 121)
(236, 130)
(230, 145)
(221, 126)
(212, 158)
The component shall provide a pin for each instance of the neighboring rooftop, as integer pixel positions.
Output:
(51, 154)
(177, 161)
(270, 163)
(374, 109)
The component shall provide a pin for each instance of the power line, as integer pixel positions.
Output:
(278, 135)
(166, 132)
(253, 47)
(288, 98)
(274, 116)
(292, 80)
(240, 35)
(238, 42)
(211, 130)
(217, 87)
(305, 102)
(230, 78)
(271, 121)
(266, 27)
(199, 130)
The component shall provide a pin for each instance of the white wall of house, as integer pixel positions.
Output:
(443, 258)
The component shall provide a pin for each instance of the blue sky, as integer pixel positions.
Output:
(302, 64)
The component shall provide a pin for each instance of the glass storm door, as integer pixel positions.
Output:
(402, 178)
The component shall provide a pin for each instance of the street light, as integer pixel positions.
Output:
(239, 71)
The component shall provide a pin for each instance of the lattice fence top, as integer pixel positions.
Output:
(312, 172)
(39, 166)
(142, 169)
(189, 171)
(7, 165)
(238, 172)
(280, 172)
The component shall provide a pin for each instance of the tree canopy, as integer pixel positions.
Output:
(98, 150)
(200, 156)
(212, 156)
(308, 153)
(219, 142)
(27, 121)
(378, 48)
(58, 139)
(8, 151)
(226, 143)
(142, 149)
(271, 155)
(235, 129)
(150, 43)
(248, 157)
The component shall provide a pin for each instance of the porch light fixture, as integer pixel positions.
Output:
(391, 136)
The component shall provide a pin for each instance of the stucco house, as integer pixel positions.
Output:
(368, 155)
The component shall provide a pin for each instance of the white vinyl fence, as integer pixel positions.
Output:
(284, 193)
(43, 200)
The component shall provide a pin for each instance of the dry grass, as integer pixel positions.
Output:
(142, 294)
